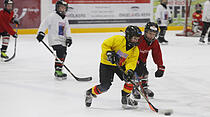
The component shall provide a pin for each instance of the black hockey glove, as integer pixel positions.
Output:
(129, 74)
(16, 21)
(158, 21)
(15, 35)
(40, 36)
(68, 41)
(160, 71)
(170, 20)
(112, 57)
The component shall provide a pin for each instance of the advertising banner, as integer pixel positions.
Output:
(108, 13)
(103, 1)
(178, 9)
(27, 11)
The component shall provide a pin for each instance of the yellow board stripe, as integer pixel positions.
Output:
(92, 30)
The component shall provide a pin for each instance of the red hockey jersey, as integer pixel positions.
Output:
(197, 17)
(144, 49)
(5, 20)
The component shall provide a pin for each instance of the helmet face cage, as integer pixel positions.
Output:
(132, 31)
(61, 2)
(198, 7)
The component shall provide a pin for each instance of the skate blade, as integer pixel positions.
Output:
(201, 43)
(164, 43)
(60, 78)
(2, 59)
(129, 107)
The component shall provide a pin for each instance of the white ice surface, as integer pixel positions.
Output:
(28, 88)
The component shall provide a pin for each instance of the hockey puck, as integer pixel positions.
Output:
(167, 114)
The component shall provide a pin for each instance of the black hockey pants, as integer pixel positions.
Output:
(206, 26)
(106, 74)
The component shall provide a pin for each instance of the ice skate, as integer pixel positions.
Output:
(127, 102)
(208, 42)
(149, 92)
(88, 98)
(4, 55)
(59, 75)
(164, 42)
(201, 41)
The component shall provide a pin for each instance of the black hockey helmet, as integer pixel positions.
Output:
(151, 26)
(6, 2)
(131, 31)
(164, 1)
(61, 2)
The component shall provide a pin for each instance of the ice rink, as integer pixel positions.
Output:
(28, 88)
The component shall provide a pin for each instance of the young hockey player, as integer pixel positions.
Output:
(148, 42)
(206, 22)
(197, 23)
(58, 35)
(6, 17)
(163, 17)
(121, 50)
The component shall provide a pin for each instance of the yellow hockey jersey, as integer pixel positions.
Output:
(118, 44)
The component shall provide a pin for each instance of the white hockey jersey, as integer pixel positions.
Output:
(58, 29)
(206, 11)
(163, 14)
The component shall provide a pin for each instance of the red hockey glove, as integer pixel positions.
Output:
(160, 71)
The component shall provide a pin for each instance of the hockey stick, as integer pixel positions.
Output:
(13, 56)
(77, 78)
(160, 111)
